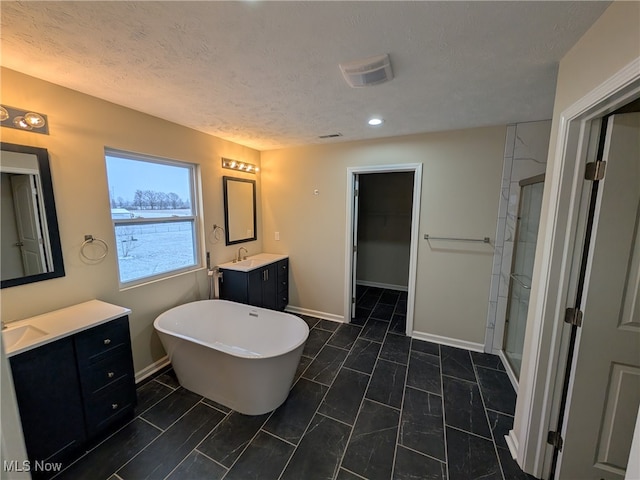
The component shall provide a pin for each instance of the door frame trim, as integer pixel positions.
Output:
(416, 168)
(554, 272)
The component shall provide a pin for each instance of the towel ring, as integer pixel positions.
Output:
(89, 239)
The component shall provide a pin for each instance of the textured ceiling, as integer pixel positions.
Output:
(265, 74)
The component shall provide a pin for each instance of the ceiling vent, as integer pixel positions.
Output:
(368, 71)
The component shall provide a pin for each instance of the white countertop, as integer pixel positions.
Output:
(254, 261)
(42, 329)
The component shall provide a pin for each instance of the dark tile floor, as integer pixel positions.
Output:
(368, 402)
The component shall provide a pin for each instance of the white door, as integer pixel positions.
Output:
(28, 224)
(354, 236)
(605, 390)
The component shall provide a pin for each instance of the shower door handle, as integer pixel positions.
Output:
(520, 282)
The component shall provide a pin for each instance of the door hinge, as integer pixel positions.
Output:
(555, 439)
(355, 192)
(573, 316)
(595, 170)
(353, 300)
(355, 248)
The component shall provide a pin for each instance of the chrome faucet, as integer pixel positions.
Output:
(239, 256)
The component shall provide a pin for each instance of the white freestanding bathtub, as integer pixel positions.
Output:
(241, 356)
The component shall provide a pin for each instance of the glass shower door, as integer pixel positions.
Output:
(524, 251)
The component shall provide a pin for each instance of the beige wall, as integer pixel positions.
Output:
(80, 127)
(460, 192)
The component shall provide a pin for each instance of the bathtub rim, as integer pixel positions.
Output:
(218, 347)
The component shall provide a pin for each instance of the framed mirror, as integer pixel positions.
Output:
(239, 210)
(30, 249)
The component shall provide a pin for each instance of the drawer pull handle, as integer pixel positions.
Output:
(107, 341)
(110, 374)
(114, 406)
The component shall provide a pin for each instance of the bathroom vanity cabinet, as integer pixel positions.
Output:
(266, 286)
(73, 389)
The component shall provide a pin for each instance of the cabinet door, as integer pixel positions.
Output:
(270, 287)
(234, 286)
(255, 281)
(49, 400)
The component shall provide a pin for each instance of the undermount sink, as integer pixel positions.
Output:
(250, 262)
(253, 262)
(21, 335)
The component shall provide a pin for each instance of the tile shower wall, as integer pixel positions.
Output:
(525, 155)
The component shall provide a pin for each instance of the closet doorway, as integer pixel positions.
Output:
(383, 205)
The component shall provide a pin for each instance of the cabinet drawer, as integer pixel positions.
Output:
(94, 344)
(283, 272)
(283, 300)
(109, 405)
(106, 372)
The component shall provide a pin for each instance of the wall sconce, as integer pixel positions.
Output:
(23, 120)
(238, 165)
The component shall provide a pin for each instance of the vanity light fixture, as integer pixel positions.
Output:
(23, 119)
(240, 166)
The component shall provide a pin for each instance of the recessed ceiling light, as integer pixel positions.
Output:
(374, 122)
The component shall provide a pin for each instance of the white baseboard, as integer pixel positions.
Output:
(451, 342)
(314, 313)
(510, 373)
(512, 443)
(151, 369)
(387, 286)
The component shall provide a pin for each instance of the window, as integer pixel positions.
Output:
(154, 214)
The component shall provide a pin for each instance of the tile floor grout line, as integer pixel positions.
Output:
(470, 433)
(422, 454)
(226, 416)
(173, 389)
(461, 379)
(364, 397)
(289, 442)
(177, 419)
(334, 419)
(163, 432)
(284, 469)
(152, 424)
(386, 404)
(489, 368)
(501, 413)
(444, 416)
(202, 401)
(157, 402)
(207, 456)
(354, 370)
(352, 473)
(486, 416)
(248, 443)
(404, 391)
(99, 444)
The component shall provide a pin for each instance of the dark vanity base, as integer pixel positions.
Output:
(72, 392)
(266, 287)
